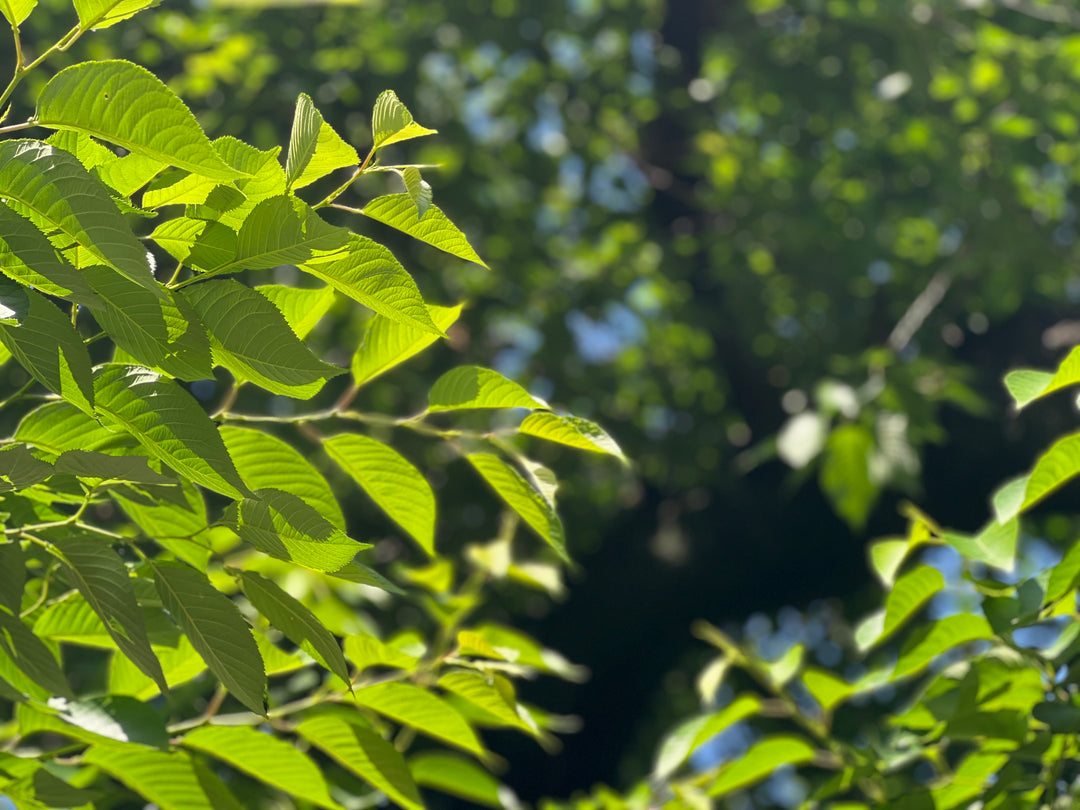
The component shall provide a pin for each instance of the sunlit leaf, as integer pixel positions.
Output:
(366, 754)
(16, 11)
(98, 14)
(433, 227)
(458, 777)
(422, 710)
(571, 431)
(168, 779)
(523, 498)
(264, 757)
(27, 652)
(761, 760)
(250, 337)
(315, 149)
(392, 122)
(929, 641)
(995, 545)
(680, 743)
(388, 342)
(28, 257)
(128, 105)
(475, 387)
(302, 308)
(392, 482)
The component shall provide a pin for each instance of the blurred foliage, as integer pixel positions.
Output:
(734, 231)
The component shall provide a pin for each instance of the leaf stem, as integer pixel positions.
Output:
(333, 195)
(18, 394)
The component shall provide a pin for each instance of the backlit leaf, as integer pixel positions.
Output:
(388, 342)
(571, 431)
(282, 230)
(168, 779)
(907, 596)
(680, 743)
(302, 308)
(366, 754)
(128, 105)
(368, 273)
(522, 497)
(98, 14)
(391, 481)
(762, 759)
(250, 337)
(266, 461)
(392, 122)
(995, 545)
(930, 641)
(264, 757)
(28, 257)
(17, 10)
(283, 526)
(1027, 385)
(41, 338)
(458, 777)
(424, 711)
(315, 149)
(213, 624)
(169, 423)
(434, 228)
(27, 652)
(475, 387)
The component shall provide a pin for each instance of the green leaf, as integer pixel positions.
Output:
(21, 469)
(367, 651)
(433, 227)
(491, 697)
(262, 756)
(27, 652)
(283, 526)
(458, 777)
(158, 331)
(16, 11)
(98, 14)
(104, 582)
(179, 661)
(680, 743)
(59, 194)
(251, 338)
(197, 243)
(522, 498)
(930, 641)
(97, 720)
(282, 230)
(392, 122)
(1053, 469)
(476, 387)
(266, 461)
(171, 523)
(366, 754)
(99, 467)
(168, 779)
(266, 180)
(27, 256)
(298, 623)
(908, 595)
(12, 576)
(995, 545)
(216, 630)
(127, 175)
(169, 423)
(44, 342)
(827, 689)
(417, 188)
(368, 273)
(58, 426)
(420, 709)
(388, 343)
(762, 759)
(571, 431)
(1064, 575)
(845, 474)
(128, 105)
(302, 308)
(1027, 385)
(392, 482)
(315, 149)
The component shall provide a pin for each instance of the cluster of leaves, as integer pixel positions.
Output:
(981, 705)
(152, 549)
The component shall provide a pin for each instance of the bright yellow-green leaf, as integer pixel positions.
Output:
(434, 227)
(128, 105)
(680, 743)
(995, 545)
(266, 758)
(572, 431)
(302, 308)
(475, 387)
(930, 641)
(366, 754)
(458, 777)
(424, 711)
(392, 482)
(168, 779)
(16, 11)
(98, 14)
(315, 149)
(389, 342)
(762, 759)
(523, 498)
(392, 122)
